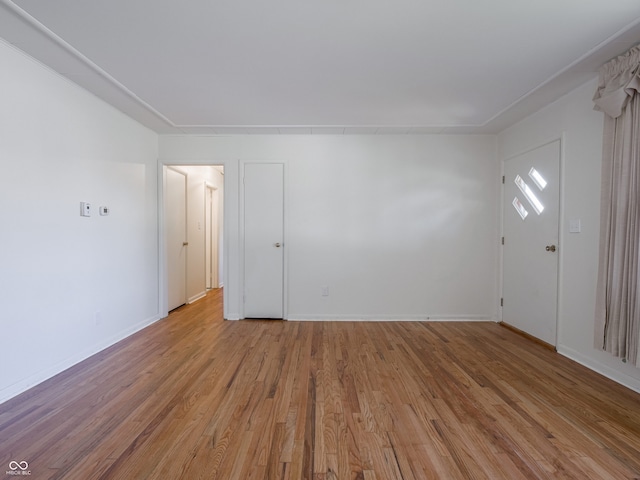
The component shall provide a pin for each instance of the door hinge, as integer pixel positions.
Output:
(502, 302)
(502, 240)
(503, 179)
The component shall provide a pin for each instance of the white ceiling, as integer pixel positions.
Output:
(324, 66)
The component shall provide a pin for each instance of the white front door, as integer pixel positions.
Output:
(263, 240)
(530, 252)
(176, 218)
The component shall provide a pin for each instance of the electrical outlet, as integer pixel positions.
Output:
(325, 291)
(104, 210)
(575, 225)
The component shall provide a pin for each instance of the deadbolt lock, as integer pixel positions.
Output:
(550, 248)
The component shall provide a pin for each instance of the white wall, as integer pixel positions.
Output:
(197, 176)
(573, 117)
(398, 227)
(70, 286)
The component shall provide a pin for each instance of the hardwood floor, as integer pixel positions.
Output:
(195, 397)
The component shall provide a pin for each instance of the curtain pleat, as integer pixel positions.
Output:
(618, 296)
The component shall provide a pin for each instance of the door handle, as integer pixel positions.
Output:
(550, 248)
(184, 244)
(277, 245)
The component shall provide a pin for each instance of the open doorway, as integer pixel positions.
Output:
(202, 243)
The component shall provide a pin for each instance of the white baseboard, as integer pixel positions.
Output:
(33, 380)
(197, 297)
(389, 318)
(615, 375)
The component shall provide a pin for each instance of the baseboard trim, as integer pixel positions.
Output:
(197, 297)
(389, 318)
(37, 378)
(528, 336)
(604, 370)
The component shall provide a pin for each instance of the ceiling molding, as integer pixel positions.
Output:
(37, 40)
(68, 48)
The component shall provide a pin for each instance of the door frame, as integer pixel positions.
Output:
(561, 230)
(163, 293)
(285, 235)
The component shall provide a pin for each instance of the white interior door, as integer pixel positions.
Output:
(211, 237)
(530, 253)
(263, 240)
(176, 220)
(207, 237)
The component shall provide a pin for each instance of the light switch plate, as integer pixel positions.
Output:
(575, 225)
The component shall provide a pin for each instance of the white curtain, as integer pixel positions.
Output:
(618, 294)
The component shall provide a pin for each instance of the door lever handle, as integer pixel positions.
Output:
(184, 244)
(550, 248)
